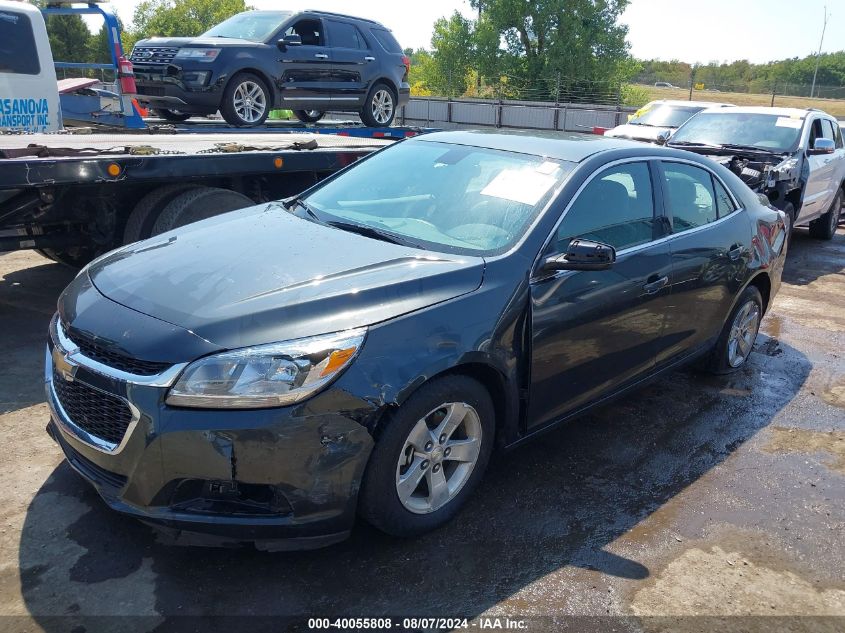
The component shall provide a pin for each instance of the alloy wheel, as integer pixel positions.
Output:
(438, 457)
(382, 106)
(743, 333)
(250, 101)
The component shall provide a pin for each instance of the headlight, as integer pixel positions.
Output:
(272, 375)
(198, 54)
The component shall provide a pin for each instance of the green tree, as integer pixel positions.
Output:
(452, 56)
(175, 18)
(68, 37)
(551, 45)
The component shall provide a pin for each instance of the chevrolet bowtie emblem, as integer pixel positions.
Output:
(66, 367)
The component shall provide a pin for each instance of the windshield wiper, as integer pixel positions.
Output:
(300, 202)
(371, 231)
(749, 148)
(672, 143)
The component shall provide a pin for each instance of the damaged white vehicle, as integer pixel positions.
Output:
(796, 158)
(657, 120)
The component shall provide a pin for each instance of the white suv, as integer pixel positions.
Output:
(796, 158)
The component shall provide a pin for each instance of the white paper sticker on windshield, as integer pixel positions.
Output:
(785, 121)
(519, 185)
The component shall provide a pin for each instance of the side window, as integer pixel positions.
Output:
(386, 40)
(724, 204)
(310, 31)
(689, 196)
(616, 208)
(18, 52)
(828, 129)
(816, 131)
(838, 132)
(343, 35)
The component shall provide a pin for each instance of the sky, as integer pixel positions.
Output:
(689, 30)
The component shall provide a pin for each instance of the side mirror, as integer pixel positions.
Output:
(822, 146)
(289, 40)
(663, 137)
(582, 255)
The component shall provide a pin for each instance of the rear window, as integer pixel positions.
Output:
(18, 53)
(387, 41)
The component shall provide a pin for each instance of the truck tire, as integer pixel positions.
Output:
(824, 228)
(140, 224)
(246, 101)
(74, 257)
(309, 116)
(198, 204)
(789, 210)
(172, 115)
(379, 106)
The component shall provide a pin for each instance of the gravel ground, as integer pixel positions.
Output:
(691, 503)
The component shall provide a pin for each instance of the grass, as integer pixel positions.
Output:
(836, 107)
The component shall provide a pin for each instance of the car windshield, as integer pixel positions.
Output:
(770, 132)
(252, 25)
(443, 197)
(665, 116)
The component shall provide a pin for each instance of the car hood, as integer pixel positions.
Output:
(178, 42)
(638, 132)
(261, 275)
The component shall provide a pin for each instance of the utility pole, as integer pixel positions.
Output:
(819, 54)
(478, 70)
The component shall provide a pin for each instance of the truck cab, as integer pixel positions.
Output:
(29, 96)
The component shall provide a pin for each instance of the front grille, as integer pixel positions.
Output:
(100, 414)
(89, 469)
(153, 55)
(150, 91)
(93, 350)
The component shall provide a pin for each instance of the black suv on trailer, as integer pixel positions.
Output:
(308, 61)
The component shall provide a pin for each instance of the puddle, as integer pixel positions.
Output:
(784, 440)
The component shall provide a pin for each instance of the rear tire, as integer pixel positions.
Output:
(198, 204)
(246, 101)
(402, 451)
(738, 335)
(379, 106)
(74, 257)
(824, 228)
(172, 115)
(141, 221)
(309, 116)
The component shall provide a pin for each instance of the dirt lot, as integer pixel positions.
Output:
(835, 107)
(697, 496)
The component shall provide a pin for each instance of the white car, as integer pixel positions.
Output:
(657, 117)
(794, 157)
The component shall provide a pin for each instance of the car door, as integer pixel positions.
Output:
(353, 63)
(711, 243)
(819, 190)
(594, 331)
(306, 70)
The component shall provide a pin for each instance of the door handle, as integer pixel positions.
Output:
(321, 56)
(735, 252)
(654, 284)
(369, 58)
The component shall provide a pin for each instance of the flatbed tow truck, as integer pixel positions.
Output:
(73, 196)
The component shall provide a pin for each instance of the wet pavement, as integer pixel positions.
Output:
(697, 496)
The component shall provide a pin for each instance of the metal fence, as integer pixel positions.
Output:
(536, 115)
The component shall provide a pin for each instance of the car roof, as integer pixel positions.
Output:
(332, 14)
(790, 112)
(573, 147)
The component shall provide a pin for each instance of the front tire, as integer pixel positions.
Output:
(246, 101)
(824, 228)
(430, 457)
(379, 106)
(738, 334)
(309, 116)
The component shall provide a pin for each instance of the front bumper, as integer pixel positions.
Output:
(288, 475)
(194, 90)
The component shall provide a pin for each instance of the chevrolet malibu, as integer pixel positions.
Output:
(361, 349)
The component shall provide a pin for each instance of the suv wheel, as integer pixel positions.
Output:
(430, 457)
(824, 228)
(172, 115)
(309, 116)
(246, 101)
(379, 107)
